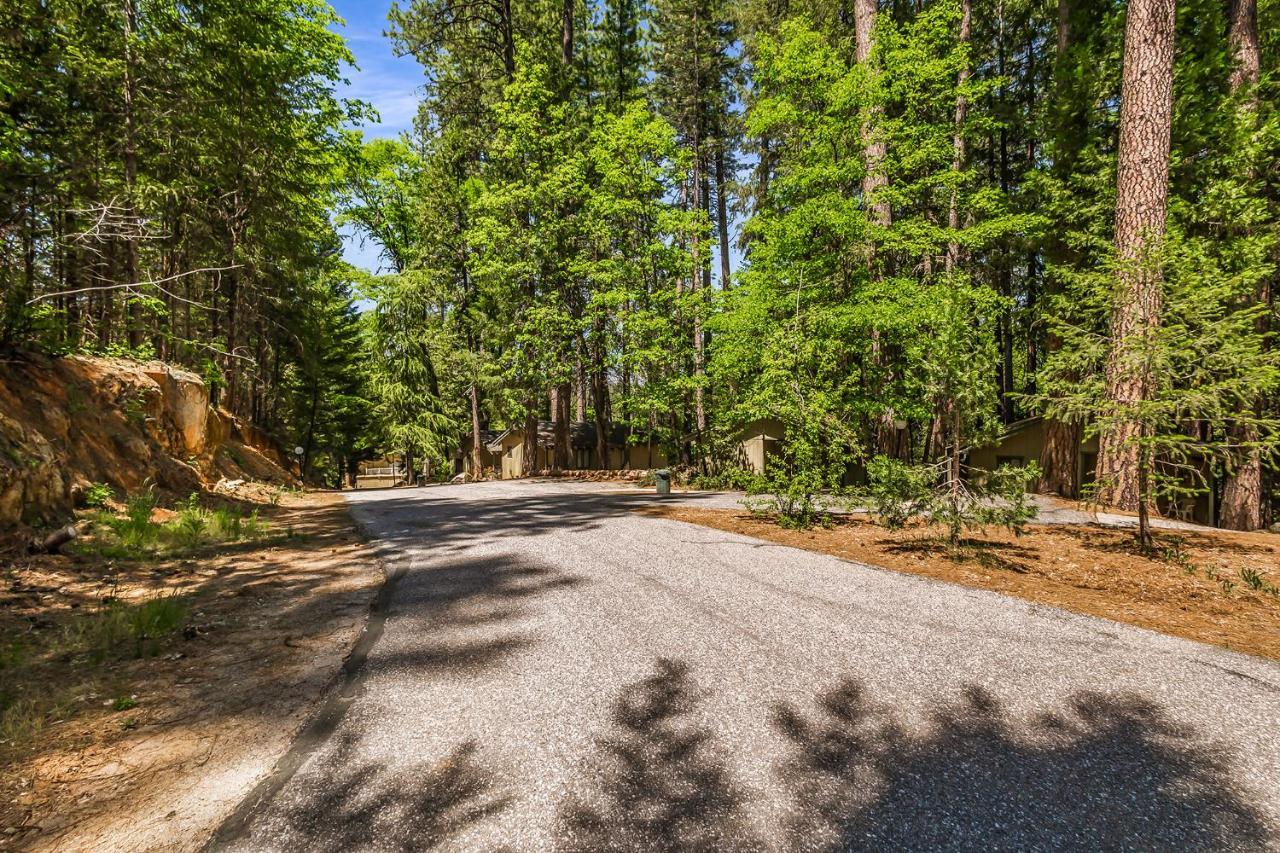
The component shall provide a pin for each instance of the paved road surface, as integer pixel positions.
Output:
(557, 672)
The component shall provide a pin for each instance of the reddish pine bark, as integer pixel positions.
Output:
(1242, 495)
(1142, 191)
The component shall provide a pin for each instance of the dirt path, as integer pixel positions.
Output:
(270, 626)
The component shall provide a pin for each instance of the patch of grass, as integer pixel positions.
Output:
(119, 628)
(1174, 551)
(114, 630)
(226, 523)
(22, 719)
(134, 530)
(12, 655)
(134, 536)
(1258, 582)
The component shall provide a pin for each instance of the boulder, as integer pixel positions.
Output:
(186, 404)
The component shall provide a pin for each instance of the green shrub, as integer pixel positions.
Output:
(728, 479)
(898, 493)
(798, 499)
(97, 495)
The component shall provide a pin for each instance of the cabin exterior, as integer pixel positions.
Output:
(1023, 441)
(759, 441)
(507, 449)
(490, 462)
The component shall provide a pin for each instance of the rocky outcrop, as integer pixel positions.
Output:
(185, 402)
(68, 422)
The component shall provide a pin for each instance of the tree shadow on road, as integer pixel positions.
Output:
(1098, 772)
(455, 518)
(663, 784)
(469, 609)
(365, 805)
(1102, 773)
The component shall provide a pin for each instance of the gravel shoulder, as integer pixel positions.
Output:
(558, 672)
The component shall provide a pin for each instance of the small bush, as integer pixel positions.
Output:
(798, 500)
(898, 493)
(97, 495)
(726, 480)
(124, 703)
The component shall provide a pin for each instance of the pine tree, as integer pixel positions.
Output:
(1142, 186)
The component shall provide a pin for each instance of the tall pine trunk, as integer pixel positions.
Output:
(529, 448)
(722, 215)
(1242, 495)
(1059, 472)
(131, 174)
(560, 413)
(874, 180)
(1142, 191)
(957, 142)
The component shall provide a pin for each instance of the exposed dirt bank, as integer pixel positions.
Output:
(66, 423)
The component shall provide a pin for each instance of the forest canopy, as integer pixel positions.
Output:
(893, 228)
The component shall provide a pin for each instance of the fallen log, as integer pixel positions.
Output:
(53, 543)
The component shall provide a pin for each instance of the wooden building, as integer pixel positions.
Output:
(1023, 441)
(507, 450)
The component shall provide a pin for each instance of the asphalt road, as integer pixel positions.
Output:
(557, 672)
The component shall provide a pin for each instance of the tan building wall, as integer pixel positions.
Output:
(508, 458)
(644, 456)
(759, 440)
(511, 457)
(1023, 443)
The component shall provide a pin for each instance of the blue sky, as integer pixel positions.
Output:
(381, 78)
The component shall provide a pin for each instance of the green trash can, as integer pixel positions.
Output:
(662, 478)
